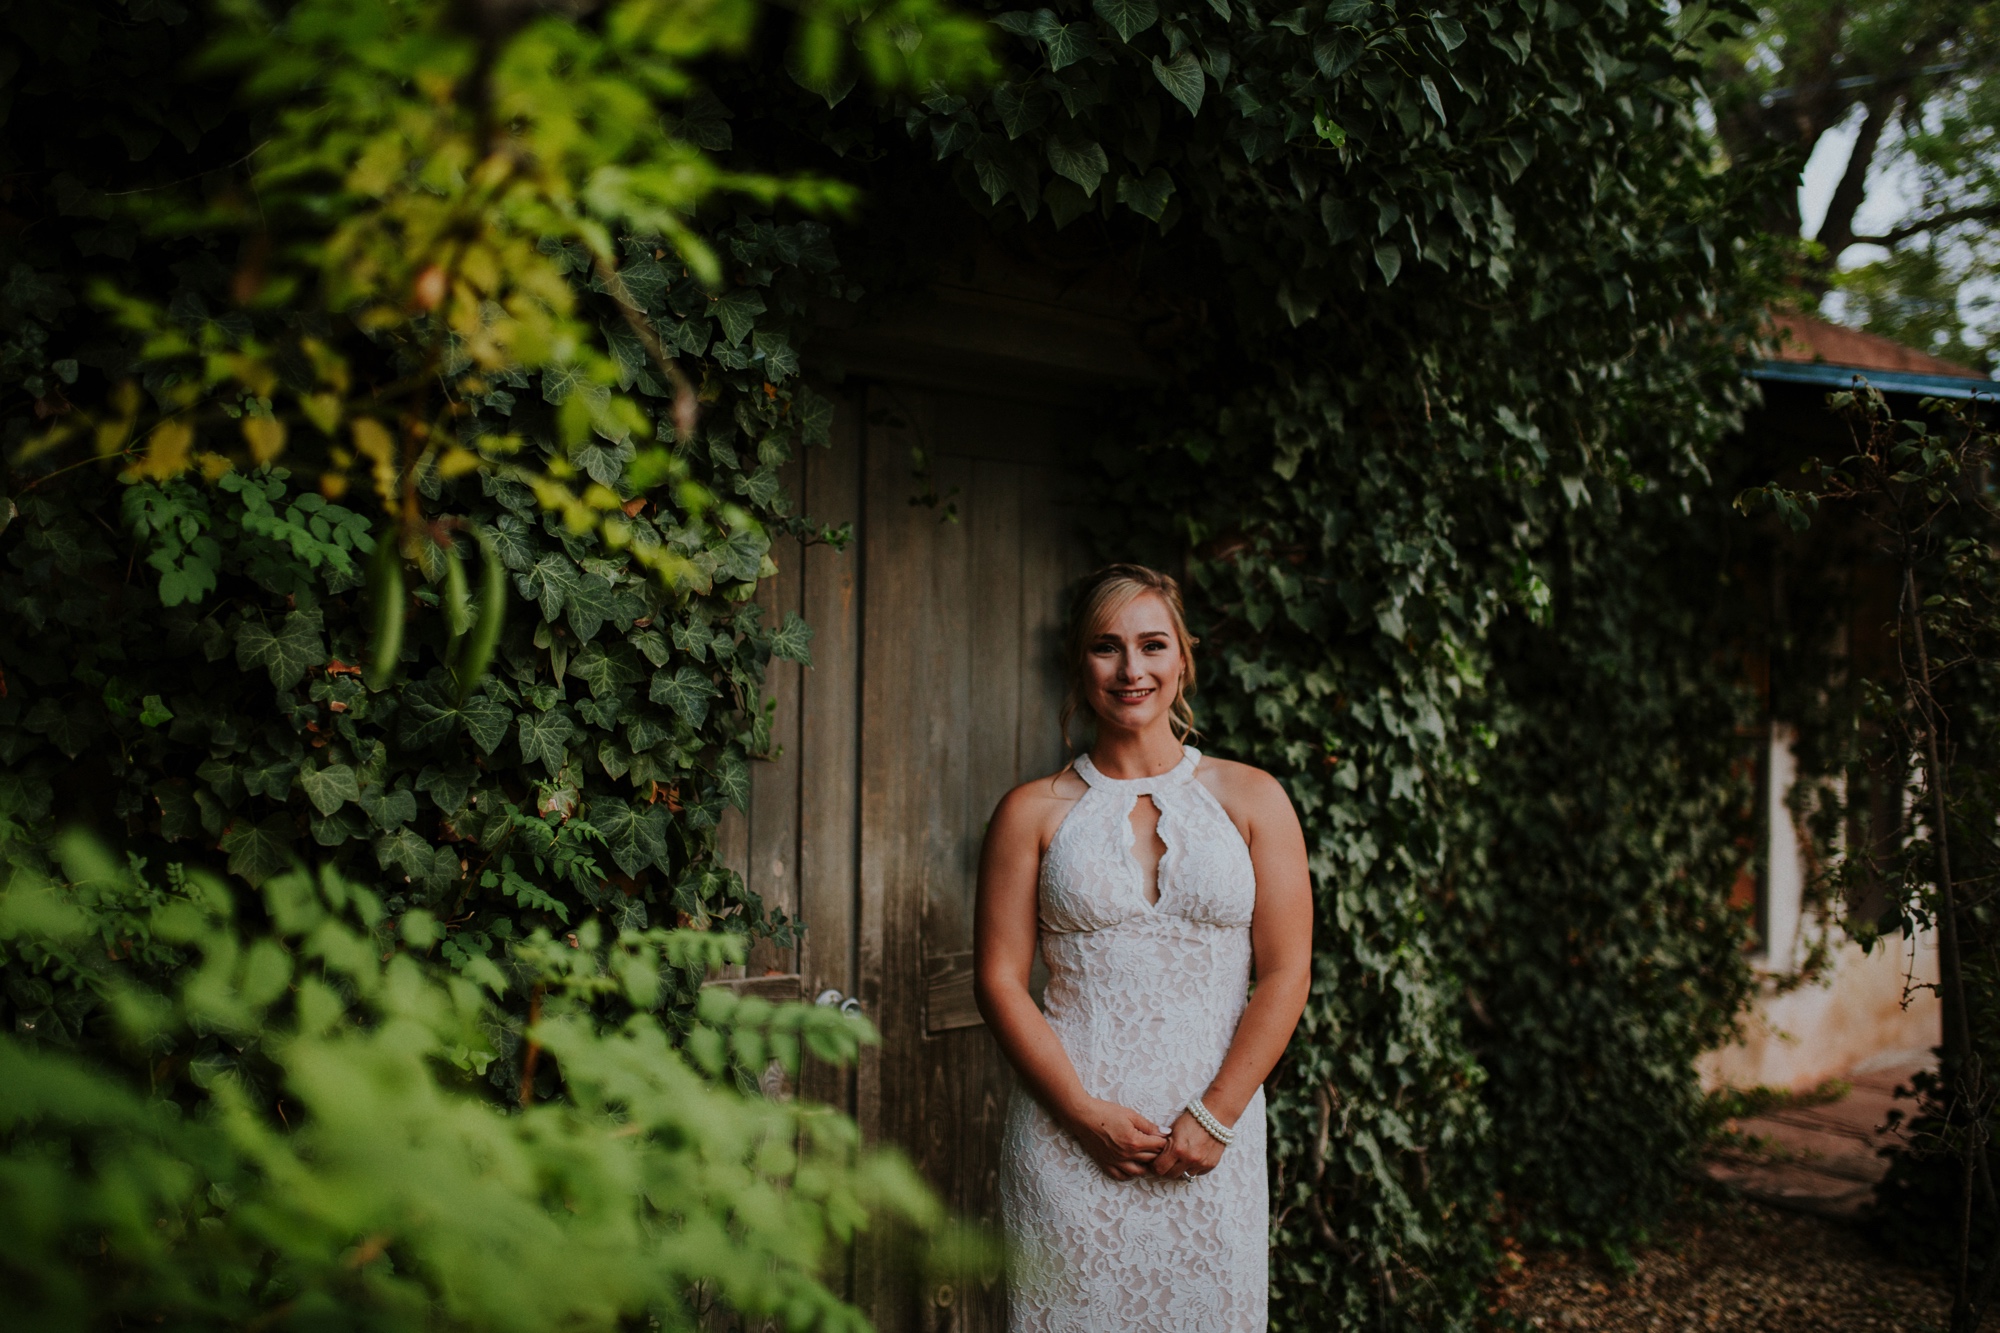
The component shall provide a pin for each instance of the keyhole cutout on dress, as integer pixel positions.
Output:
(1147, 846)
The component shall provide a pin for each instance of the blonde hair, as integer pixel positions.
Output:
(1098, 598)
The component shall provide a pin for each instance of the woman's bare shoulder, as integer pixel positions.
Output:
(1041, 803)
(1243, 789)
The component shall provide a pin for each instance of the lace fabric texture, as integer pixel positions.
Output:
(1145, 998)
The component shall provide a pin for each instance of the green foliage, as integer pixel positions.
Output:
(1927, 297)
(1449, 300)
(1601, 953)
(364, 1183)
(1916, 90)
(583, 778)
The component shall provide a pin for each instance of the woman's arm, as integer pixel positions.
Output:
(1121, 1140)
(1281, 943)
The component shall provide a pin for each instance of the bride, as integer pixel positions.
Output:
(1152, 878)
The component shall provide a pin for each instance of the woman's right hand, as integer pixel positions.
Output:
(1120, 1140)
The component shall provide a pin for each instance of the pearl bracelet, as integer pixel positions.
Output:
(1207, 1121)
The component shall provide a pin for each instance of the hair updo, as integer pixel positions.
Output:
(1099, 597)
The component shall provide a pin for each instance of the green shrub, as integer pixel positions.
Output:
(343, 1167)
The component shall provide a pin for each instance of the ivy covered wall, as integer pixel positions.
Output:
(1446, 301)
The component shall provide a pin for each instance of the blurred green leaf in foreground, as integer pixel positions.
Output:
(370, 1185)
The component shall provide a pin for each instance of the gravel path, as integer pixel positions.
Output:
(1734, 1267)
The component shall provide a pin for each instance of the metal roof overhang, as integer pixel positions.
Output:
(1888, 381)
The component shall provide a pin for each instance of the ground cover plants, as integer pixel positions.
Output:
(1449, 302)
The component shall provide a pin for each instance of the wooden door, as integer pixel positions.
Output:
(935, 687)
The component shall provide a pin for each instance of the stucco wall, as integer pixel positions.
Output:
(1856, 1021)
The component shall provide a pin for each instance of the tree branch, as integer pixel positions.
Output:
(1951, 217)
(1836, 232)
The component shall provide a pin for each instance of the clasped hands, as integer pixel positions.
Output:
(1127, 1145)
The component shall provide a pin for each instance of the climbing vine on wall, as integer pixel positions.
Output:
(1451, 299)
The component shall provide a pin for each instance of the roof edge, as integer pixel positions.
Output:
(1888, 381)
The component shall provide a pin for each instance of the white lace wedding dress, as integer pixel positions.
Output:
(1145, 998)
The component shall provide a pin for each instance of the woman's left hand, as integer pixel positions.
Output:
(1191, 1150)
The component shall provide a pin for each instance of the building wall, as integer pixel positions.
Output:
(1862, 1016)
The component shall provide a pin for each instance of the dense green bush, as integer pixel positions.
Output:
(1450, 299)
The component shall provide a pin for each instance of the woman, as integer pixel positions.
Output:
(1152, 878)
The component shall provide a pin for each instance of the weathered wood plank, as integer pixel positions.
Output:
(987, 623)
(895, 551)
(1052, 555)
(829, 737)
(948, 998)
(772, 842)
(775, 986)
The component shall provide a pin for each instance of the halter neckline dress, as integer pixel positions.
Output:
(1145, 998)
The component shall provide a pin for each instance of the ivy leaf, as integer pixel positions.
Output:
(652, 644)
(606, 671)
(1021, 109)
(1431, 96)
(272, 778)
(1128, 18)
(732, 780)
(793, 640)
(737, 311)
(69, 726)
(614, 759)
(432, 713)
(180, 817)
(1021, 23)
(549, 583)
(404, 850)
(761, 488)
(1389, 259)
(223, 778)
(546, 736)
(1079, 160)
(687, 691)
(514, 540)
(1450, 32)
(330, 787)
(1068, 43)
(635, 835)
(1181, 77)
(560, 381)
(1147, 195)
(642, 732)
(485, 721)
(391, 809)
(341, 826)
(1336, 51)
(592, 601)
(814, 415)
(605, 463)
(288, 653)
(259, 851)
(743, 554)
(448, 785)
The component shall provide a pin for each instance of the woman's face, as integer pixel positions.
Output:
(1132, 669)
